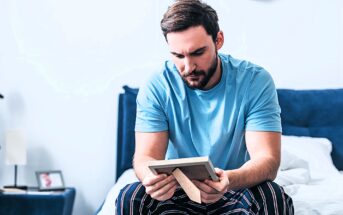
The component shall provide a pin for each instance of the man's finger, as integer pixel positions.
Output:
(223, 183)
(164, 191)
(153, 179)
(152, 188)
(218, 186)
(204, 187)
(169, 194)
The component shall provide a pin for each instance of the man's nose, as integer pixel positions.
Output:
(189, 65)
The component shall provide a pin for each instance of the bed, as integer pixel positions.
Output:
(312, 149)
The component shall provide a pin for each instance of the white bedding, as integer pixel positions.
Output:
(109, 205)
(318, 197)
(306, 173)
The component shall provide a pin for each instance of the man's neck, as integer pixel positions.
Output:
(215, 79)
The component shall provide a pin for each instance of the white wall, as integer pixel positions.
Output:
(63, 63)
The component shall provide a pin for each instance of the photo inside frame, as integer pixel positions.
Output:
(50, 180)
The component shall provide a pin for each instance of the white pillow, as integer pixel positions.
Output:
(315, 151)
(293, 170)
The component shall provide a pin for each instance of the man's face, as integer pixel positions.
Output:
(195, 55)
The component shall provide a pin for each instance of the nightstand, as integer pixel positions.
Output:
(35, 203)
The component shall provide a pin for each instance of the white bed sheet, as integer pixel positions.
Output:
(308, 175)
(323, 197)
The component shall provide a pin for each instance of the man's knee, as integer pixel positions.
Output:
(272, 198)
(130, 198)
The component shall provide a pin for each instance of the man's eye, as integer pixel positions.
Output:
(179, 56)
(197, 53)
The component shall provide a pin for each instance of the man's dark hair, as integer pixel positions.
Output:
(190, 13)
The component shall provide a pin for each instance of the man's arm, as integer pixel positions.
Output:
(153, 146)
(149, 146)
(264, 150)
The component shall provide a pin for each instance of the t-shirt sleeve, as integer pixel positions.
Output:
(263, 110)
(150, 115)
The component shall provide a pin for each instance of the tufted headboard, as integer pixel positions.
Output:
(126, 129)
(315, 113)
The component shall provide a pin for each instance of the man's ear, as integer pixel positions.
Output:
(220, 40)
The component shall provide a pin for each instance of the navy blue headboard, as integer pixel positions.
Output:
(126, 129)
(315, 113)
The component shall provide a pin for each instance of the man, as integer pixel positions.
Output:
(206, 104)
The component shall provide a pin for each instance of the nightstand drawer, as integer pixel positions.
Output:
(56, 203)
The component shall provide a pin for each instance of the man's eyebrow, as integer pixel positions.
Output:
(199, 50)
(174, 53)
(195, 51)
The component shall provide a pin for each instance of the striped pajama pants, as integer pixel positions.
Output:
(265, 198)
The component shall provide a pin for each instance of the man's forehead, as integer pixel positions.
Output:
(189, 40)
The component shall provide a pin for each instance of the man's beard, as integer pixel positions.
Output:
(201, 83)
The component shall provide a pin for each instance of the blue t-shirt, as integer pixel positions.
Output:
(212, 122)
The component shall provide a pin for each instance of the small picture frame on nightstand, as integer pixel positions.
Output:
(50, 180)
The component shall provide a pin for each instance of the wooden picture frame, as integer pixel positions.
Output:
(198, 168)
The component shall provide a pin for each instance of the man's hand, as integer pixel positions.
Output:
(160, 187)
(212, 191)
